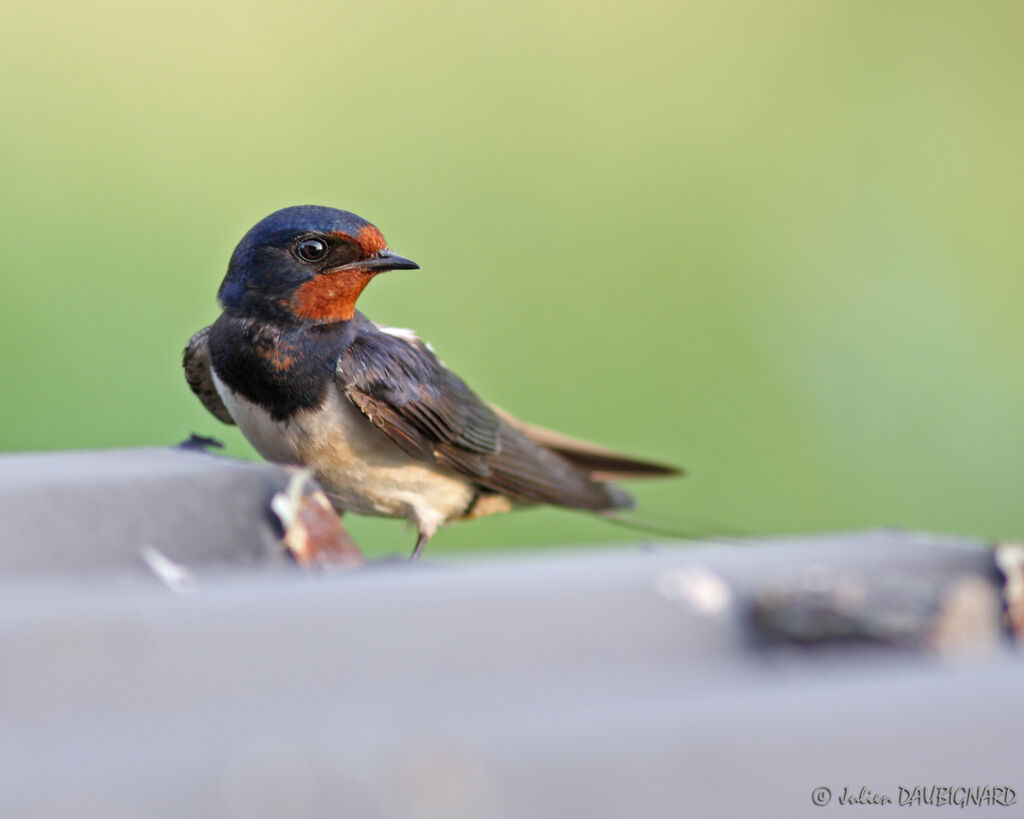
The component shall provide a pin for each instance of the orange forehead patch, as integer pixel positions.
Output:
(331, 296)
(370, 240)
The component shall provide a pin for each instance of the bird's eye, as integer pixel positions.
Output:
(311, 250)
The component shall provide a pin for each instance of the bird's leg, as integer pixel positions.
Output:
(421, 541)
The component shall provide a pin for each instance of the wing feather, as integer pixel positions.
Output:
(196, 361)
(428, 411)
(601, 463)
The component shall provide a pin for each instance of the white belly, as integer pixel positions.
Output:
(359, 466)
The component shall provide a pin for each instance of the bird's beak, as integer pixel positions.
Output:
(385, 260)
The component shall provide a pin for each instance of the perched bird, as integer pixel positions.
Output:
(383, 424)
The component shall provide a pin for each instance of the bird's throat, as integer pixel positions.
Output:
(331, 297)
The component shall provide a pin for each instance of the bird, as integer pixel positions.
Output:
(384, 425)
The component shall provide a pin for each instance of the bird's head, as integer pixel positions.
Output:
(309, 263)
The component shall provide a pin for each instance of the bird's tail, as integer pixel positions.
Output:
(704, 531)
(618, 499)
(600, 463)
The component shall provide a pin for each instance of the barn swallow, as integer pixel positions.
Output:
(386, 428)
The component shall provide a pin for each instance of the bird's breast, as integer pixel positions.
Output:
(359, 466)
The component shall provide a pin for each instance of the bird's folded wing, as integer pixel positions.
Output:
(196, 361)
(433, 416)
(602, 463)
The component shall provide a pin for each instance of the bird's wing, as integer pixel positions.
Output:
(601, 463)
(428, 411)
(196, 362)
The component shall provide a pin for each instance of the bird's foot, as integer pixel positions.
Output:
(421, 541)
(313, 532)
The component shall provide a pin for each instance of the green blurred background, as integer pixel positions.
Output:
(777, 243)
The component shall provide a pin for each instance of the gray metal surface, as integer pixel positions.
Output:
(665, 681)
(562, 686)
(72, 512)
